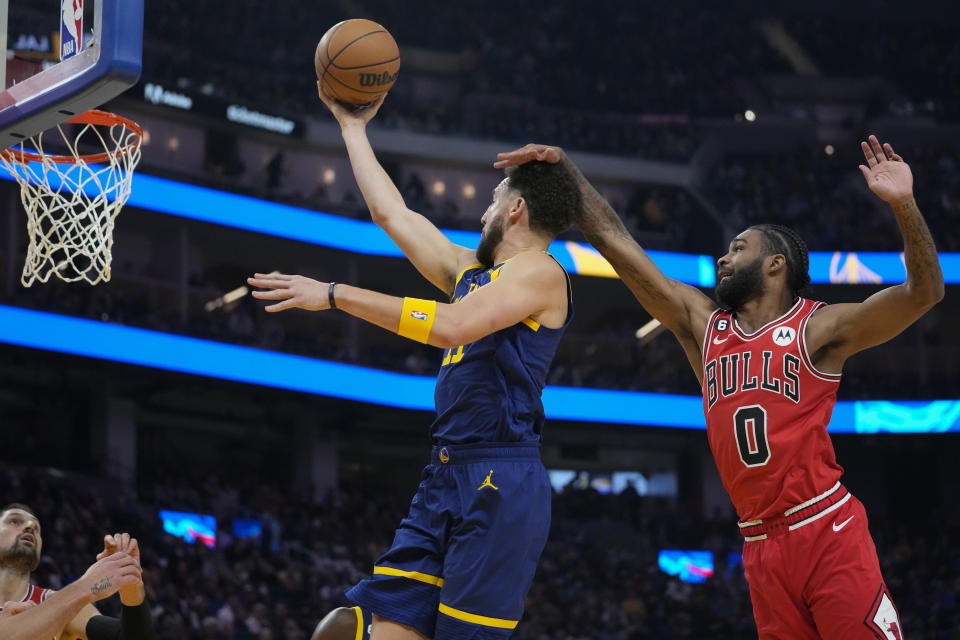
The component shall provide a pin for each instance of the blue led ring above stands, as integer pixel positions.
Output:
(171, 352)
(324, 229)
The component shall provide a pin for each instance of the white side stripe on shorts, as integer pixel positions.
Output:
(817, 516)
(811, 501)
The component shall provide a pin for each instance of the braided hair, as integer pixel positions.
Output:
(786, 241)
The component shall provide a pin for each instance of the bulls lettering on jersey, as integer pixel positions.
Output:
(767, 410)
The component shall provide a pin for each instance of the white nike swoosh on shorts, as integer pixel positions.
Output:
(837, 527)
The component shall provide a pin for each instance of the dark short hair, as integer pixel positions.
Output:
(786, 241)
(21, 506)
(551, 194)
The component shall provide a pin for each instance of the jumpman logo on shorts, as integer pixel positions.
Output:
(487, 483)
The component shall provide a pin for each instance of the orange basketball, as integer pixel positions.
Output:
(357, 61)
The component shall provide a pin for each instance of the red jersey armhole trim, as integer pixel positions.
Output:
(706, 340)
(805, 355)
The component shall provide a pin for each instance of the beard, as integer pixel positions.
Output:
(20, 558)
(744, 285)
(489, 241)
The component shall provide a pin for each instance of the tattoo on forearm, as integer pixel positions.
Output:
(597, 216)
(100, 587)
(920, 252)
(905, 206)
(600, 224)
(634, 277)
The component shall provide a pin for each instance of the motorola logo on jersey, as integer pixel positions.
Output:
(721, 324)
(783, 336)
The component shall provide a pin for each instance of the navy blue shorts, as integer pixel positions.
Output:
(464, 557)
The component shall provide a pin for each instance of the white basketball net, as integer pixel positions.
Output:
(72, 200)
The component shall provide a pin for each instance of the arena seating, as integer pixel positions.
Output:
(598, 579)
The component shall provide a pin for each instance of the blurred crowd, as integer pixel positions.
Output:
(824, 198)
(499, 74)
(636, 82)
(632, 83)
(521, 73)
(920, 59)
(598, 578)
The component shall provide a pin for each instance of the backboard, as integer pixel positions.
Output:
(64, 57)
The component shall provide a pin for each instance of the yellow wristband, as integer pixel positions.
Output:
(416, 319)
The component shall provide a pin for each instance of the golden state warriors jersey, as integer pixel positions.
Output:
(489, 390)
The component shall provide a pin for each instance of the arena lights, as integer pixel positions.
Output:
(324, 229)
(90, 338)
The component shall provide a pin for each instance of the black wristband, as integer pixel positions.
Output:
(137, 623)
(330, 296)
(103, 628)
(134, 623)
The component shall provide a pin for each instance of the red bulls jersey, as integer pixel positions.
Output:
(767, 410)
(35, 594)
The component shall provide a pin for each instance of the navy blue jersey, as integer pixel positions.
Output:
(364, 623)
(489, 390)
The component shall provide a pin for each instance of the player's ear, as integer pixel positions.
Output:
(776, 263)
(517, 208)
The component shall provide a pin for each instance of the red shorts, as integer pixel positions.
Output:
(821, 579)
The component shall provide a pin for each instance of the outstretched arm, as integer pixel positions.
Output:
(679, 307)
(531, 284)
(434, 256)
(838, 331)
(50, 617)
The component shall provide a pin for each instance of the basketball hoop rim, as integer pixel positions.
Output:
(94, 117)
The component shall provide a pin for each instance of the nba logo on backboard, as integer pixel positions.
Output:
(71, 28)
